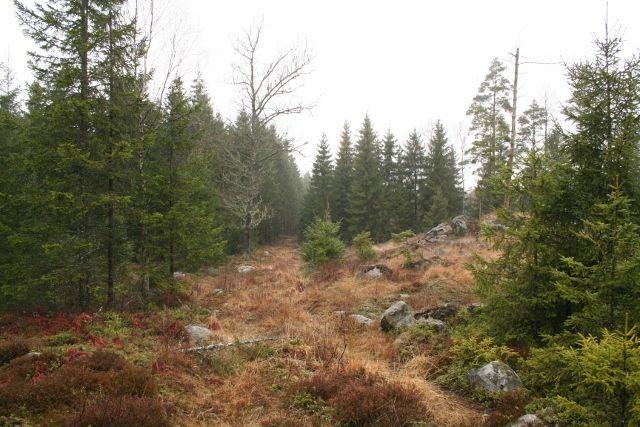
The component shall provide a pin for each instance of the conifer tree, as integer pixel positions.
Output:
(391, 190)
(442, 190)
(490, 131)
(365, 200)
(343, 176)
(83, 76)
(603, 109)
(318, 198)
(412, 164)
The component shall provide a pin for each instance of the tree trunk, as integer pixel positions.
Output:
(512, 148)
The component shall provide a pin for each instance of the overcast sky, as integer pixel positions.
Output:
(405, 63)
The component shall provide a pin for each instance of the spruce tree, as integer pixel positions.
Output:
(365, 199)
(413, 167)
(318, 198)
(442, 190)
(343, 176)
(391, 186)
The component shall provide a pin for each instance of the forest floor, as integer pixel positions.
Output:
(313, 350)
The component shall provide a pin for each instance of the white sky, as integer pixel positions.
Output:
(405, 63)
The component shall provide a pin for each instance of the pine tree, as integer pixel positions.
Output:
(491, 134)
(412, 164)
(365, 199)
(318, 197)
(343, 176)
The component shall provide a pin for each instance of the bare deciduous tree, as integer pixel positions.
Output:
(267, 92)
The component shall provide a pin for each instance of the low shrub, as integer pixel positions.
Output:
(322, 243)
(44, 382)
(121, 412)
(12, 348)
(421, 339)
(62, 338)
(363, 398)
(402, 236)
(471, 352)
(562, 412)
(364, 246)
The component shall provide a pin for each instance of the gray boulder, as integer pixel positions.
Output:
(527, 420)
(397, 316)
(375, 271)
(436, 324)
(198, 334)
(360, 319)
(245, 269)
(212, 271)
(440, 230)
(459, 225)
(494, 377)
(179, 275)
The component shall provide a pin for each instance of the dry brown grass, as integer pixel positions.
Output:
(254, 385)
(282, 299)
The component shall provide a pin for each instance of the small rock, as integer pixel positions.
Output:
(212, 271)
(178, 275)
(374, 273)
(404, 296)
(495, 376)
(440, 312)
(340, 313)
(397, 316)
(416, 265)
(382, 270)
(436, 324)
(362, 320)
(474, 307)
(527, 420)
(198, 334)
(217, 292)
(245, 269)
(266, 253)
(33, 355)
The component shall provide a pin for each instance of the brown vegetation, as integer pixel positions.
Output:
(111, 369)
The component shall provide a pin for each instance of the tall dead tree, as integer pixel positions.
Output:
(512, 147)
(267, 91)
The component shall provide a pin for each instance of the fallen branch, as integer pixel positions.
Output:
(220, 346)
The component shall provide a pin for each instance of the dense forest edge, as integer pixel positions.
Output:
(156, 259)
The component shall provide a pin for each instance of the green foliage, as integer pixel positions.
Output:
(490, 131)
(599, 374)
(364, 211)
(403, 236)
(561, 411)
(364, 246)
(318, 197)
(408, 257)
(322, 243)
(470, 352)
(343, 177)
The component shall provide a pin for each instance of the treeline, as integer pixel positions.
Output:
(106, 192)
(384, 187)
